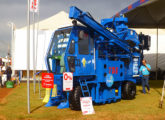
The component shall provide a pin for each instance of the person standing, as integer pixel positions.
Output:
(8, 72)
(17, 77)
(145, 71)
(1, 76)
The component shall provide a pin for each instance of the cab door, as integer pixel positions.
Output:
(85, 53)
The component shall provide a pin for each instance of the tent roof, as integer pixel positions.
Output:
(149, 31)
(145, 14)
(60, 19)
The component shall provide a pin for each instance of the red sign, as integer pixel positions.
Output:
(67, 81)
(34, 5)
(86, 105)
(47, 80)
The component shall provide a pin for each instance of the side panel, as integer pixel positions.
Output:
(103, 68)
(83, 57)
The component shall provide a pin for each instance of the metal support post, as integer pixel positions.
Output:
(28, 56)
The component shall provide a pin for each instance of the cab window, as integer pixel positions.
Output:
(72, 47)
(83, 42)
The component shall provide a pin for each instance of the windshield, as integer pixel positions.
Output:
(59, 42)
(56, 51)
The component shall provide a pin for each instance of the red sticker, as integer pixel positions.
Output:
(47, 80)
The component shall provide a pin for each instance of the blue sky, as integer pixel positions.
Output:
(16, 11)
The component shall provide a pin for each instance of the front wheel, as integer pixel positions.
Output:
(74, 98)
(128, 90)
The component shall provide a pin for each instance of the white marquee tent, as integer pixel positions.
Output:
(46, 29)
(61, 19)
(150, 55)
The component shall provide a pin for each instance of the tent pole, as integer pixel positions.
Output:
(157, 54)
(28, 55)
(34, 62)
(38, 18)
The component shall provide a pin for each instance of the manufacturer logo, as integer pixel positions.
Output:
(113, 70)
(109, 80)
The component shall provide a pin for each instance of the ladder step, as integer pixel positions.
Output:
(84, 88)
(85, 91)
(83, 85)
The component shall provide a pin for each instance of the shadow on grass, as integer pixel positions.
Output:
(141, 91)
(156, 85)
(157, 91)
(153, 83)
(37, 108)
(111, 102)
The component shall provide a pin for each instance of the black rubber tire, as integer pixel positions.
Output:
(74, 98)
(128, 90)
(123, 93)
(71, 100)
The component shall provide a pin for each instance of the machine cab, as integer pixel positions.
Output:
(71, 50)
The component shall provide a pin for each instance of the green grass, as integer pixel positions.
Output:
(143, 107)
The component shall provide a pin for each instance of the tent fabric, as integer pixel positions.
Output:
(152, 33)
(145, 14)
(148, 14)
(46, 30)
(20, 52)
(151, 55)
(59, 20)
(131, 7)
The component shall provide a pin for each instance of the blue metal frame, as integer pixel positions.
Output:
(132, 6)
(113, 59)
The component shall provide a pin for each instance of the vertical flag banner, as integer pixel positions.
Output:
(34, 5)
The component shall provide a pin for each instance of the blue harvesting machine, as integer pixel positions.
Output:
(104, 59)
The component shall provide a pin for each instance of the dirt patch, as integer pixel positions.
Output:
(4, 92)
(2, 118)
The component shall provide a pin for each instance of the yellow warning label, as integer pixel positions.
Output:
(54, 91)
(84, 62)
(47, 93)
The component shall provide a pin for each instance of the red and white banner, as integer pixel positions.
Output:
(34, 5)
(67, 81)
(86, 105)
(47, 80)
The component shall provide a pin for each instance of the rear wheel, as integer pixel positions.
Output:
(74, 98)
(128, 90)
